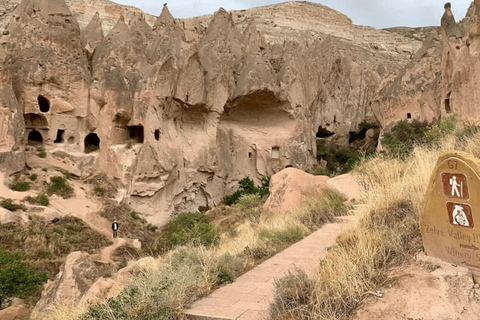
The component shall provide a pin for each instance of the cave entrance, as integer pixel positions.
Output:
(35, 138)
(448, 108)
(157, 134)
(43, 103)
(92, 143)
(136, 133)
(59, 138)
(324, 132)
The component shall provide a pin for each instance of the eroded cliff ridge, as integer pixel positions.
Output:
(179, 110)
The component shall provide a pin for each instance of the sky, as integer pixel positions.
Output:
(374, 13)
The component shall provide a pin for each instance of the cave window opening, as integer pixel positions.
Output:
(35, 138)
(448, 108)
(136, 133)
(409, 115)
(275, 152)
(92, 143)
(250, 155)
(157, 134)
(324, 132)
(43, 104)
(71, 140)
(59, 138)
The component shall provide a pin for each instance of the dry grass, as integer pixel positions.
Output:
(185, 274)
(385, 235)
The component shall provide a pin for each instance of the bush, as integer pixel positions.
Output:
(403, 136)
(20, 186)
(9, 205)
(99, 190)
(434, 134)
(247, 186)
(343, 160)
(32, 177)
(17, 279)
(192, 228)
(233, 198)
(41, 199)
(60, 186)
(41, 153)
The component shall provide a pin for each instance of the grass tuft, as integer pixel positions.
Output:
(20, 186)
(59, 186)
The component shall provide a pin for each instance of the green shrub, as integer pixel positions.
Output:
(343, 160)
(99, 190)
(192, 228)
(151, 227)
(17, 279)
(400, 140)
(60, 186)
(247, 186)
(41, 199)
(20, 186)
(32, 177)
(233, 198)
(41, 153)
(434, 134)
(321, 148)
(9, 205)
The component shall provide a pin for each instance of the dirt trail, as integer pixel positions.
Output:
(86, 208)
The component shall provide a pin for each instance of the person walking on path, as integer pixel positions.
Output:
(115, 228)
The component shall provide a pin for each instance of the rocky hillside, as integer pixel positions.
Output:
(178, 111)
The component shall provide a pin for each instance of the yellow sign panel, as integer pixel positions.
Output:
(450, 221)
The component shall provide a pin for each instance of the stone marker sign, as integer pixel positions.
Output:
(450, 221)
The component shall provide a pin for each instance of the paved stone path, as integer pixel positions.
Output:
(249, 297)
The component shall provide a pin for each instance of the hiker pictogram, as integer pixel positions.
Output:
(455, 186)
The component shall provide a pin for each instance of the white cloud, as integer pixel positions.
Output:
(375, 13)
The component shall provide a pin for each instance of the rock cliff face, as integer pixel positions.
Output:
(179, 110)
(460, 64)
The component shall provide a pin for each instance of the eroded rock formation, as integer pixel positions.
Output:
(460, 64)
(178, 111)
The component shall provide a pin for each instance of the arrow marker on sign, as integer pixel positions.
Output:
(470, 247)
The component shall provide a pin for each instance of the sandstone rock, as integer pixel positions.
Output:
(180, 112)
(347, 185)
(7, 216)
(15, 312)
(460, 92)
(75, 278)
(92, 35)
(287, 187)
(106, 288)
(416, 92)
(431, 289)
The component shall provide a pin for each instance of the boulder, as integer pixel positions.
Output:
(75, 278)
(15, 312)
(347, 185)
(287, 188)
